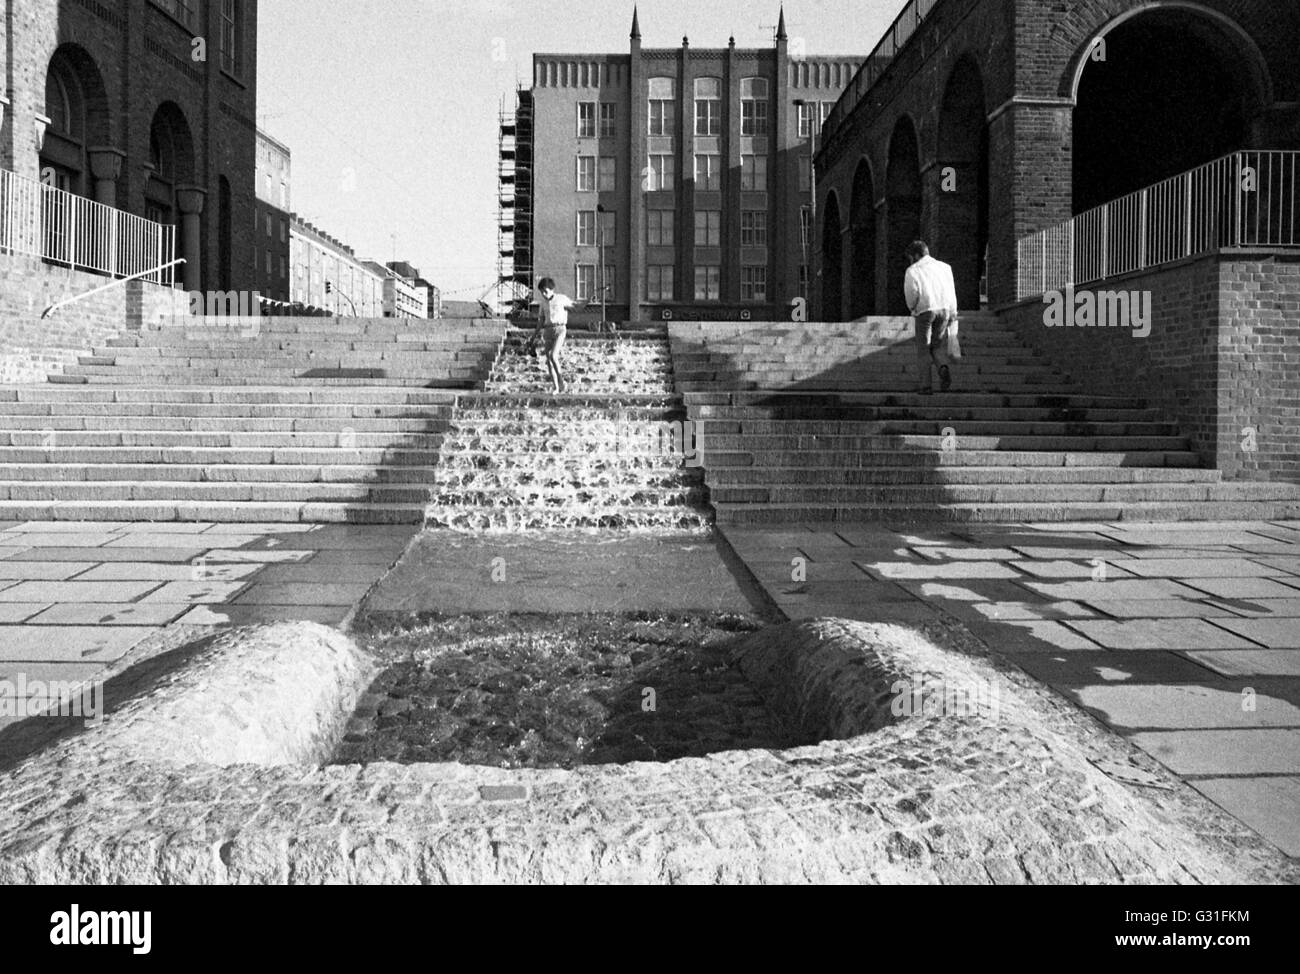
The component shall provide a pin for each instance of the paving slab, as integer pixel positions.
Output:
(33, 571)
(1076, 669)
(165, 572)
(1070, 569)
(1215, 753)
(1270, 806)
(1193, 568)
(11, 612)
(1159, 707)
(906, 613)
(62, 539)
(231, 556)
(49, 672)
(172, 555)
(186, 541)
(9, 551)
(780, 572)
(262, 529)
(1271, 633)
(1170, 634)
(45, 591)
(963, 569)
(967, 554)
(1180, 553)
(311, 572)
(136, 614)
(1261, 608)
(1287, 564)
(197, 592)
(383, 557)
(866, 590)
(1118, 590)
(1251, 662)
(72, 644)
(1242, 588)
(1049, 553)
(1183, 534)
(71, 527)
(1032, 611)
(1161, 609)
(302, 593)
(1030, 636)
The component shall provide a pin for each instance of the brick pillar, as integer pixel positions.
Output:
(1031, 158)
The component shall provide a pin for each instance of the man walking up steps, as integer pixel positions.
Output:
(932, 298)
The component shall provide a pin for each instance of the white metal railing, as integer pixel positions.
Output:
(117, 282)
(42, 221)
(1244, 199)
(899, 33)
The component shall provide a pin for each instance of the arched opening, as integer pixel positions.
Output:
(1147, 109)
(171, 165)
(962, 224)
(77, 105)
(862, 244)
(832, 262)
(903, 209)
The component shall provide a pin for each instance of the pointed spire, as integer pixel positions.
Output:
(780, 26)
(636, 24)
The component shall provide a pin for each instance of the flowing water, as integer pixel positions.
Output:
(613, 452)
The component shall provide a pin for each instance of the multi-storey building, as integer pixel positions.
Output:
(401, 296)
(272, 219)
(328, 278)
(677, 181)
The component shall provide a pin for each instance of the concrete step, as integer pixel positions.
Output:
(213, 493)
(232, 424)
(935, 495)
(961, 428)
(166, 439)
(1006, 513)
(883, 442)
(215, 473)
(1070, 399)
(180, 393)
(720, 476)
(775, 460)
(225, 512)
(945, 414)
(212, 456)
(342, 412)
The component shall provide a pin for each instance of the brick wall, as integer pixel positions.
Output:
(1221, 357)
(31, 348)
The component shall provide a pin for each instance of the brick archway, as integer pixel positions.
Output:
(862, 243)
(832, 283)
(962, 202)
(902, 209)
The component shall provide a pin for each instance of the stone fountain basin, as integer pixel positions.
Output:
(212, 776)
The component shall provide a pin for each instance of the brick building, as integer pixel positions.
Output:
(977, 122)
(691, 166)
(143, 105)
(272, 218)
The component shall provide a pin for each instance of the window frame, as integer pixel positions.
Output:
(713, 182)
(712, 220)
(606, 184)
(712, 282)
(655, 275)
(755, 234)
(578, 181)
(578, 232)
(749, 173)
(607, 123)
(748, 284)
(582, 133)
(660, 224)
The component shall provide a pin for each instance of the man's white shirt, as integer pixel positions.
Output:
(556, 310)
(929, 286)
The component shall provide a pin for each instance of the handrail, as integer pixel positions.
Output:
(111, 284)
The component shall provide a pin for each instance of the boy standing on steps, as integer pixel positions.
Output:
(554, 324)
(932, 299)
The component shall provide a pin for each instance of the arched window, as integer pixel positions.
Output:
(753, 106)
(63, 153)
(708, 106)
(662, 106)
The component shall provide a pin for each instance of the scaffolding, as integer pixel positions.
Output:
(515, 195)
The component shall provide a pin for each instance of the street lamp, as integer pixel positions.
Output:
(600, 240)
(812, 185)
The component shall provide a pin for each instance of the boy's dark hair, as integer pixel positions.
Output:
(546, 284)
(917, 249)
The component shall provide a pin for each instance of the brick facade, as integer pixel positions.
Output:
(1027, 54)
(131, 59)
(1216, 361)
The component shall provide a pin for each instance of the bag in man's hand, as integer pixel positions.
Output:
(954, 342)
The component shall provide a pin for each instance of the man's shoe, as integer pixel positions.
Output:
(945, 379)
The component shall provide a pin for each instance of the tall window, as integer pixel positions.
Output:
(662, 174)
(708, 278)
(806, 111)
(805, 174)
(659, 282)
(753, 283)
(753, 228)
(63, 154)
(608, 127)
(659, 228)
(585, 276)
(708, 171)
(805, 226)
(609, 228)
(753, 173)
(826, 110)
(183, 10)
(708, 106)
(608, 174)
(232, 36)
(586, 119)
(708, 228)
(586, 228)
(753, 106)
(663, 106)
(586, 174)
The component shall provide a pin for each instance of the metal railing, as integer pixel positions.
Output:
(118, 282)
(39, 220)
(881, 57)
(1244, 199)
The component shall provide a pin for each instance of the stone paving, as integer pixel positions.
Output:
(1182, 638)
(83, 601)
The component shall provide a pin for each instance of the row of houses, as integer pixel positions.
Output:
(302, 269)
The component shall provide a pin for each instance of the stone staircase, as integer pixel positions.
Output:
(821, 422)
(243, 420)
(603, 455)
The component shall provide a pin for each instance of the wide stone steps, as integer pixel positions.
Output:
(810, 422)
(232, 492)
(243, 455)
(249, 395)
(217, 512)
(193, 439)
(232, 424)
(216, 473)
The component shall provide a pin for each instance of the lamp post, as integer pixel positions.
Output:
(600, 240)
(812, 185)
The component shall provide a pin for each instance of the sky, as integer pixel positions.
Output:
(390, 107)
